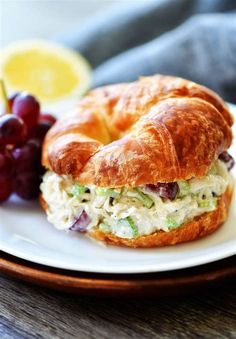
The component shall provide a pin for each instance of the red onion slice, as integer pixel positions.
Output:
(81, 223)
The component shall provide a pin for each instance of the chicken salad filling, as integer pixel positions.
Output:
(131, 212)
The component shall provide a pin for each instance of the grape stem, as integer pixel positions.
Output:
(4, 95)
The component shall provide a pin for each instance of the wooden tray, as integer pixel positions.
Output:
(158, 284)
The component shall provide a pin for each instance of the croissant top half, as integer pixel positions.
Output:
(158, 129)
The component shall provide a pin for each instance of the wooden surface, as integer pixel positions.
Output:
(179, 282)
(27, 311)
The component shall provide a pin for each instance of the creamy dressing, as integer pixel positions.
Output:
(111, 211)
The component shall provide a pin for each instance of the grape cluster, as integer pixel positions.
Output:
(21, 137)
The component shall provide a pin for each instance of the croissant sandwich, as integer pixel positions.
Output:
(141, 164)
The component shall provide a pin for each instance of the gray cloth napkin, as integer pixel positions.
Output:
(195, 39)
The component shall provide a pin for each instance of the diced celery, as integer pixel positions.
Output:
(208, 203)
(172, 223)
(128, 221)
(104, 228)
(77, 190)
(184, 188)
(133, 226)
(144, 198)
(106, 192)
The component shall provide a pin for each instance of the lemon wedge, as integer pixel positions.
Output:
(47, 70)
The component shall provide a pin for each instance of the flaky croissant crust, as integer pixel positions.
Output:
(158, 129)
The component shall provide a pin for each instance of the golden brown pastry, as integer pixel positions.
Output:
(138, 164)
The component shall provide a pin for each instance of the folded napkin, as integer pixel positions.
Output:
(195, 39)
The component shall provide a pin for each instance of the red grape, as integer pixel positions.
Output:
(5, 189)
(227, 159)
(11, 99)
(167, 190)
(26, 185)
(40, 130)
(6, 165)
(27, 158)
(81, 223)
(35, 144)
(12, 129)
(27, 108)
(48, 118)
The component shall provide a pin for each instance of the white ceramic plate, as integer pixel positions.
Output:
(25, 233)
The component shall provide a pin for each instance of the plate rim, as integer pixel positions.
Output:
(207, 259)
